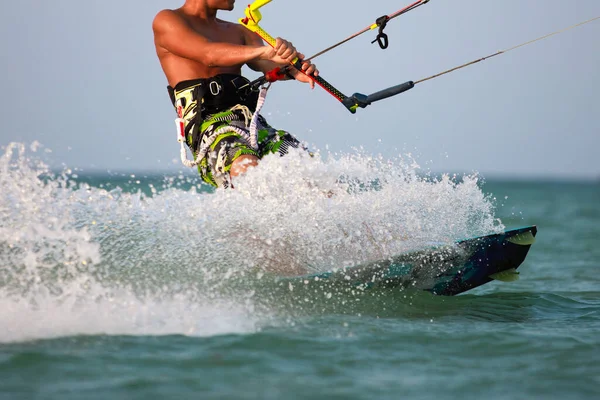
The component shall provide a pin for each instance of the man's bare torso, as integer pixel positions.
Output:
(178, 69)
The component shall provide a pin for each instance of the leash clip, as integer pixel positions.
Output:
(180, 124)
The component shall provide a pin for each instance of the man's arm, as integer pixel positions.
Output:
(172, 33)
(265, 66)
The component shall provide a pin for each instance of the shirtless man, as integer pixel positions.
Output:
(202, 57)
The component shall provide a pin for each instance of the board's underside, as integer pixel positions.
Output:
(445, 270)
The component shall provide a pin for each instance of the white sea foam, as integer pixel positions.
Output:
(119, 312)
(77, 259)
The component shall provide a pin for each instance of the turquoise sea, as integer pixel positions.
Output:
(146, 286)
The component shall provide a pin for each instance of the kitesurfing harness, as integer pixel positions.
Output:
(218, 93)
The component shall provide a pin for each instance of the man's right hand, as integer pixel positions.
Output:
(283, 53)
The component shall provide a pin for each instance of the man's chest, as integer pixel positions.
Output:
(227, 33)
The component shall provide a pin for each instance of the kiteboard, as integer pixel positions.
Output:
(445, 270)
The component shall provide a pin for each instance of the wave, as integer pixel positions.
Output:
(79, 258)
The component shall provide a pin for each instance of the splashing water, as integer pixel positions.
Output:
(79, 259)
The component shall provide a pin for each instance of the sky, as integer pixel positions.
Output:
(82, 78)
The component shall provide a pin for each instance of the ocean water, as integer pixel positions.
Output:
(140, 286)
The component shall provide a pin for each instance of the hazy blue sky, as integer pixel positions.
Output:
(82, 78)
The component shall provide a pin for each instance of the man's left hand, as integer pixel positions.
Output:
(308, 69)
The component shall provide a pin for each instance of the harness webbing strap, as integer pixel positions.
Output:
(253, 124)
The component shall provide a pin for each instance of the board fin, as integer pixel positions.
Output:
(510, 275)
(523, 239)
